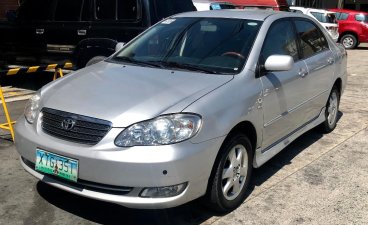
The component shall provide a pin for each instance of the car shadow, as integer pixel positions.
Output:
(191, 213)
(362, 48)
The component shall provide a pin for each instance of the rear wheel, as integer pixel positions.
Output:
(349, 41)
(233, 169)
(331, 113)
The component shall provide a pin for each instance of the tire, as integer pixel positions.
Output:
(349, 41)
(95, 59)
(331, 112)
(223, 194)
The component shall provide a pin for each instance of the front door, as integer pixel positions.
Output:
(283, 91)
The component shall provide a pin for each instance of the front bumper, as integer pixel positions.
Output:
(106, 165)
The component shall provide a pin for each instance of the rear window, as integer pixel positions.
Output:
(36, 10)
(324, 17)
(361, 18)
(68, 10)
(117, 9)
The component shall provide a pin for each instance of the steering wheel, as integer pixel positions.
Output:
(236, 54)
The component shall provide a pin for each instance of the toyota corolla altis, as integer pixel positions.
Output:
(187, 109)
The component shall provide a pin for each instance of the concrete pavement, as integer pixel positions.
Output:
(318, 179)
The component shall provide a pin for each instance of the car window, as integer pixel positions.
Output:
(105, 9)
(324, 17)
(280, 40)
(218, 44)
(127, 9)
(361, 18)
(68, 10)
(36, 10)
(343, 16)
(312, 40)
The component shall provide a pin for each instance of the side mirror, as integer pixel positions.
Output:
(11, 15)
(119, 46)
(279, 63)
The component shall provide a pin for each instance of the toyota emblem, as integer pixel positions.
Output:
(68, 124)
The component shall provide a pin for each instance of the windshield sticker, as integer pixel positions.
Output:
(252, 24)
(168, 21)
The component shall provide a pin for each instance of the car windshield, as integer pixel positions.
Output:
(208, 45)
(325, 17)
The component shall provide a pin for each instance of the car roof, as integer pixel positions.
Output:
(251, 14)
(310, 9)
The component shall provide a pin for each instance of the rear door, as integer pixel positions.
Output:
(283, 91)
(320, 60)
(69, 26)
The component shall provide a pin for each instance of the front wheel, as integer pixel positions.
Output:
(233, 169)
(331, 113)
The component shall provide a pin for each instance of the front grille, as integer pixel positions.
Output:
(84, 130)
(83, 184)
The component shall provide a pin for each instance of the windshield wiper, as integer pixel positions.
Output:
(137, 62)
(186, 66)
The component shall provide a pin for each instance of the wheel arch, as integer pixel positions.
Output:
(338, 85)
(349, 32)
(245, 127)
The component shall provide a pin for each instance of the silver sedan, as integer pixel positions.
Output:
(185, 110)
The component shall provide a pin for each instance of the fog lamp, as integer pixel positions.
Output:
(163, 192)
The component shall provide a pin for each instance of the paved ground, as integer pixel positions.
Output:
(316, 180)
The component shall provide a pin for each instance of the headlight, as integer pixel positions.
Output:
(32, 107)
(162, 130)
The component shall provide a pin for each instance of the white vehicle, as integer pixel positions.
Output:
(326, 18)
(204, 5)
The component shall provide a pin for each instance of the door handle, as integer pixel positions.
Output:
(303, 72)
(82, 32)
(330, 60)
(40, 31)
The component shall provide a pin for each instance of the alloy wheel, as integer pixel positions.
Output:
(234, 172)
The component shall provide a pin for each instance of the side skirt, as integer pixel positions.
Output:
(264, 154)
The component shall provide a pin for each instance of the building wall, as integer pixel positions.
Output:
(320, 4)
(361, 5)
(6, 5)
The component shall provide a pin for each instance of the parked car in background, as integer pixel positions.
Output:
(277, 5)
(353, 27)
(187, 110)
(81, 31)
(203, 5)
(326, 18)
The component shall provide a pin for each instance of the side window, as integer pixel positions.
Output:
(318, 16)
(359, 17)
(311, 38)
(127, 9)
(36, 10)
(280, 40)
(106, 9)
(68, 10)
(343, 16)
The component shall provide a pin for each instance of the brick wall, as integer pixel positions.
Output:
(6, 5)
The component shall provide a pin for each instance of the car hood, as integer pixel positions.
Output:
(125, 94)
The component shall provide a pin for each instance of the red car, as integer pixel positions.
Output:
(278, 5)
(353, 27)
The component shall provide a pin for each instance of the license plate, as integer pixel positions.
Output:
(56, 165)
